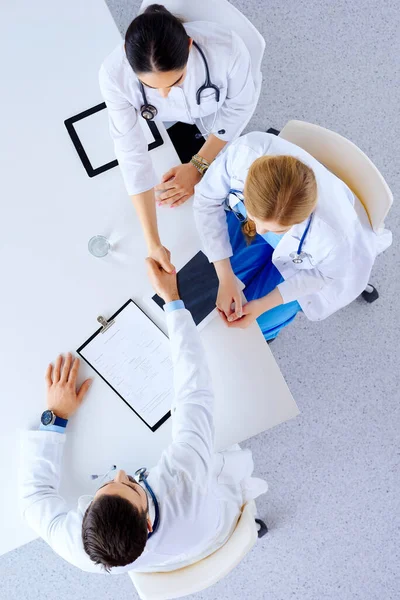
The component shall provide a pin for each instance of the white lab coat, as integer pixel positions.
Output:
(200, 493)
(341, 244)
(230, 69)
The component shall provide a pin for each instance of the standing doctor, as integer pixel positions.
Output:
(312, 247)
(197, 73)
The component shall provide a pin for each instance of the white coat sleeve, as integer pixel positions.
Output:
(210, 194)
(209, 211)
(40, 502)
(192, 444)
(240, 100)
(130, 144)
(311, 281)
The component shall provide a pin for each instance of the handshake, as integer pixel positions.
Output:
(164, 283)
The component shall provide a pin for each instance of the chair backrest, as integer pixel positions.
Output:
(224, 13)
(206, 572)
(346, 161)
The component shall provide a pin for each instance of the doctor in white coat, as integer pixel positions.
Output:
(196, 73)
(312, 245)
(191, 500)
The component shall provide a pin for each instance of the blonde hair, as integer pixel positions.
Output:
(280, 189)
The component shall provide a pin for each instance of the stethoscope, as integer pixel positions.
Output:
(140, 477)
(149, 111)
(298, 256)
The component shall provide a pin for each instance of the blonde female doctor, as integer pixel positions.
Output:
(312, 247)
(195, 73)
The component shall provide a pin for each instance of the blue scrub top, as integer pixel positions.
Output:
(253, 265)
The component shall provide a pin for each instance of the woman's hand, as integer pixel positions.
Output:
(228, 291)
(164, 283)
(253, 309)
(177, 185)
(250, 312)
(162, 256)
(229, 294)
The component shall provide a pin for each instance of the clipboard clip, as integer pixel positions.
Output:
(104, 323)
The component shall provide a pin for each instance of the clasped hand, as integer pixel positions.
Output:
(230, 307)
(177, 185)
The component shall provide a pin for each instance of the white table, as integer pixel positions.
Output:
(52, 289)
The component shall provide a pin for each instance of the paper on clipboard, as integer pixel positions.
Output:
(133, 357)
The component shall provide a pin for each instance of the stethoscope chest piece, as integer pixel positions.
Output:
(141, 474)
(298, 257)
(148, 112)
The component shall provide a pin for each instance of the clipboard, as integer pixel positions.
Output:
(140, 366)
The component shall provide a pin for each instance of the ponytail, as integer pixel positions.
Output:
(249, 230)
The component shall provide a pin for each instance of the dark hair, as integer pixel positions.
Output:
(156, 41)
(114, 532)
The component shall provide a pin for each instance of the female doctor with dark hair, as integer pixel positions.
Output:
(196, 73)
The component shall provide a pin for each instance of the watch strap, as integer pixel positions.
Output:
(60, 422)
(200, 163)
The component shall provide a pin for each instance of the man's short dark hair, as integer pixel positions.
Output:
(114, 532)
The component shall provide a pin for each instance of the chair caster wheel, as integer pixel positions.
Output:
(263, 529)
(370, 294)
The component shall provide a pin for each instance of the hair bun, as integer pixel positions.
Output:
(156, 8)
(249, 230)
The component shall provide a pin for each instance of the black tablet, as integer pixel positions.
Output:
(90, 135)
(198, 287)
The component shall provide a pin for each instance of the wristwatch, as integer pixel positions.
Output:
(200, 163)
(49, 418)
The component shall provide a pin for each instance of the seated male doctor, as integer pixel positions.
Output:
(189, 504)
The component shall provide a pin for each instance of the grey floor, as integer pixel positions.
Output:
(333, 505)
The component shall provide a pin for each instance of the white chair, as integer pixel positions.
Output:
(206, 572)
(351, 165)
(224, 13)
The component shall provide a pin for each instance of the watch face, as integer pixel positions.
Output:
(47, 417)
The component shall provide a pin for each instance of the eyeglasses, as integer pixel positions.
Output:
(235, 209)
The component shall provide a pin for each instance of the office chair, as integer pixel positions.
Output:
(351, 165)
(224, 13)
(209, 570)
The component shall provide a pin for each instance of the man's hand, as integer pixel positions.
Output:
(164, 284)
(62, 396)
(177, 185)
(163, 257)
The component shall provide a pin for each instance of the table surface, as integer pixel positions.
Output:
(53, 289)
